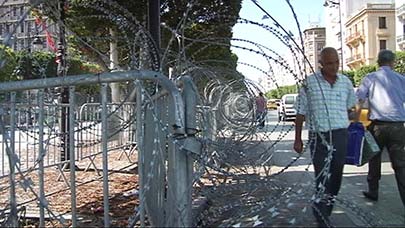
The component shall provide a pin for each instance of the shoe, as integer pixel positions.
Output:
(370, 196)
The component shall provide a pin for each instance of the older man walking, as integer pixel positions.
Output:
(324, 102)
(385, 91)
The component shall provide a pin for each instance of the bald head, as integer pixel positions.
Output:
(329, 61)
(328, 51)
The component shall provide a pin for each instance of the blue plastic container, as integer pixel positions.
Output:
(355, 144)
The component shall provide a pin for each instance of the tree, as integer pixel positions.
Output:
(350, 74)
(282, 90)
(400, 62)
(206, 31)
(8, 63)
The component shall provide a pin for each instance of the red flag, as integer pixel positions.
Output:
(49, 41)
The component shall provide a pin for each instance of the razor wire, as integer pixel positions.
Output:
(237, 133)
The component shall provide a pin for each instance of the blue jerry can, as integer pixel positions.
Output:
(355, 143)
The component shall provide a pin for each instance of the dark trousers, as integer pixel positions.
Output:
(319, 152)
(261, 118)
(391, 136)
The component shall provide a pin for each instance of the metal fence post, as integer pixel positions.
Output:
(71, 141)
(41, 156)
(139, 141)
(105, 132)
(182, 161)
(12, 163)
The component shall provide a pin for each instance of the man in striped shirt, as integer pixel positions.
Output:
(324, 102)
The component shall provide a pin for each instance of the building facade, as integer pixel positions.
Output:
(335, 18)
(368, 31)
(31, 32)
(400, 24)
(314, 41)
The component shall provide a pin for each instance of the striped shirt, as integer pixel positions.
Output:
(324, 105)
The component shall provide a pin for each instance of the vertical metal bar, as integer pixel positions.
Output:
(41, 156)
(172, 188)
(61, 72)
(105, 158)
(213, 124)
(71, 140)
(3, 142)
(12, 164)
(161, 160)
(139, 141)
(185, 162)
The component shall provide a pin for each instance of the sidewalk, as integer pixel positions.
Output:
(352, 209)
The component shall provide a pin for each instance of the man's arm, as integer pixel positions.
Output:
(357, 110)
(298, 145)
(362, 93)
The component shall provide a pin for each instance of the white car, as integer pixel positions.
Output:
(286, 108)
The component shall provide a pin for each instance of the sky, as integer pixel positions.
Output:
(307, 11)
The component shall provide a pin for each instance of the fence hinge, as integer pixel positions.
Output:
(190, 144)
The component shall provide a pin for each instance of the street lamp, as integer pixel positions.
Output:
(37, 44)
(329, 3)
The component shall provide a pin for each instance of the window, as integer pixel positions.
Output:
(382, 22)
(383, 44)
(289, 100)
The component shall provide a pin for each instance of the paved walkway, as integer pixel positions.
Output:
(352, 209)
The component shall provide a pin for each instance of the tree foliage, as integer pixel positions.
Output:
(207, 22)
(362, 72)
(23, 65)
(7, 63)
(282, 90)
(209, 28)
(399, 67)
(350, 74)
(400, 62)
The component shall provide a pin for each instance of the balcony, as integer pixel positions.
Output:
(400, 12)
(355, 61)
(401, 41)
(383, 32)
(354, 39)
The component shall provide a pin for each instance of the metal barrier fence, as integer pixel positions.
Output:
(31, 140)
(87, 132)
(168, 205)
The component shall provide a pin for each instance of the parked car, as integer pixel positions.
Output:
(273, 103)
(286, 108)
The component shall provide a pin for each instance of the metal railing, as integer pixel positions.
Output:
(155, 123)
